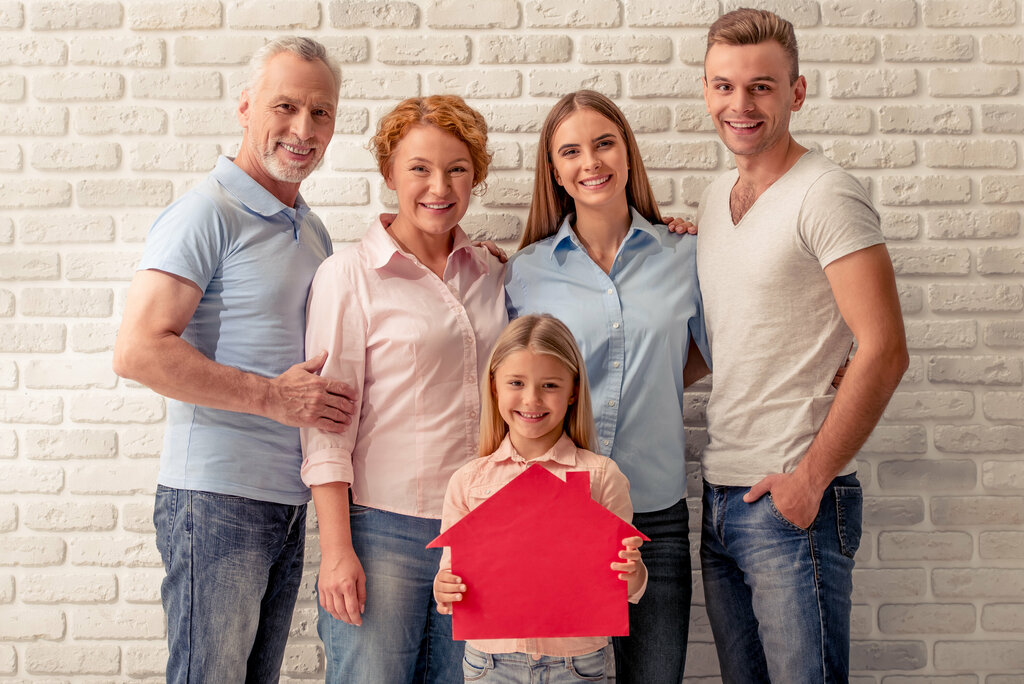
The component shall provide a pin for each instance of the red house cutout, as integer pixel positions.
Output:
(535, 561)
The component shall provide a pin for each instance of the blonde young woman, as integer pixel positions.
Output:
(408, 317)
(596, 255)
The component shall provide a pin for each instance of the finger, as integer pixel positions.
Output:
(341, 389)
(315, 363)
(633, 542)
(329, 425)
(361, 592)
(758, 490)
(334, 607)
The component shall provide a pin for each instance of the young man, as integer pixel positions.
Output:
(792, 268)
(215, 321)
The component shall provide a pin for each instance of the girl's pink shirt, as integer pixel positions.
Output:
(476, 481)
(414, 346)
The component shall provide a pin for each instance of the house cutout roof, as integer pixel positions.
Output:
(535, 561)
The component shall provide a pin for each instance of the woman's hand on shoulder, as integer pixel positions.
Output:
(342, 587)
(493, 248)
(678, 225)
(447, 590)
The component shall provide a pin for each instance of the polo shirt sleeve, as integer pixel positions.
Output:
(188, 240)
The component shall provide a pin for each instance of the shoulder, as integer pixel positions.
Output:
(534, 256)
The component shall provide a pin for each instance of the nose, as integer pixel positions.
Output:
(439, 183)
(744, 101)
(302, 125)
(590, 160)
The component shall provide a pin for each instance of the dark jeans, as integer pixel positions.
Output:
(655, 650)
(233, 571)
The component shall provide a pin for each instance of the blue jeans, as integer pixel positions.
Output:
(520, 668)
(233, 571)
(403, 638)
(778, 596)
(655, 650)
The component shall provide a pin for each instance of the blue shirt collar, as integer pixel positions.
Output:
(254, 196)
(566, 233)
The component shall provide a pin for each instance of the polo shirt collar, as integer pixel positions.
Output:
(254, 196)
(566, 236)
(563, 452)
(381, 248)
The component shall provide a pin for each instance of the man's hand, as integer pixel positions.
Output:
(447, 589)
(342, 588)
(678, 225)
(301, 398)
(795, 499)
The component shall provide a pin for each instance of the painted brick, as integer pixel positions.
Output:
(67, 302)
(505, 155)
(63, 517)
(508, 118)
(930, 261)
(470, 83)
(1002, 48)
(954, 224)
(896, 439)
(930, 679)
(124, 192)
(112, 407)
(842, 119)
(351, 120)
(34, 121)
(940, 119)
(906, 545)
(28, 338)
(106, 266)
(121, 622)
(302, 660)
(8, 523)
(6, 303)
(896, 583)
(837, 47)
(555, 14)
(492, 225)
(32, 551)
(6, 589)
(1001, 545)
(8, 375)
(857, 83)
(36, 51)
(381, 14)
(1000, 260)
(1003, 475)
(691, 188)
(979, 439)
(68, 588)
(8, 444)
(12, 15)
(918, 190)
(911, 300)
(58, 444)
(211, 120)
(76, 374)
(1002, 118)
(871, 154)
(192, 85)
(955, 14)
(557, 82)
(927, 48)
(39, 623)
(970, 154)
(39, 194)
(975, 298)
(225, 51)
(505, 49)
(625, 49)
(138, 517)
(28, 265)
(914, 406)
(1002, 617)
(977, 510)
(937, 475)
(78, 87)
(100, 477)
(92, 337)
(100, 50)
(12, 87)
(347, 49)
(145, 660)
(663, 82)
(980, 655)
(120, 120)
(410, 50)
(379, 85)
(652, 13)
(915, 618)
(983, 370)
(165, 156)
(174, 14)
(141, 442)
(972, 82)
(670, 155)
(888, 655)
(112, 552)
(473, 14)
(1002, 189)
(66, 229)
(47, 16)
(261, 14)
(72, 659)
(323, 192)
(1003, 405)
(31, 408)
(869, 13)
(692, 118)
(502, 192)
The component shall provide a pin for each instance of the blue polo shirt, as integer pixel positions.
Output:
(253, 258)
(633, 326)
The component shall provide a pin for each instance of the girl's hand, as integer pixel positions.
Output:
(447, 589)
(632, 571)
(342, 587)
(678, 225)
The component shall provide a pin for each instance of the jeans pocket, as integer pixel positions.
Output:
(588, 667)
(475, 666)
(849, 511)
(777, 514)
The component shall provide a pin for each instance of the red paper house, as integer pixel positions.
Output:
(535, 561)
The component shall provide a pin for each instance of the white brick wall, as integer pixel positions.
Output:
(111, 108)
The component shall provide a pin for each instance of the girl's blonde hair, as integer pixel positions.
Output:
(540, 334)
(551, 203)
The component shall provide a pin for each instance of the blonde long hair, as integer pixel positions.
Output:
(551, 203)
(540, 334)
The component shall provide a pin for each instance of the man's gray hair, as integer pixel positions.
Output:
(300, 46)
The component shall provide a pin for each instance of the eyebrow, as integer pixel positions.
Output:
(597, 139)
(464, 160)
(723, 79)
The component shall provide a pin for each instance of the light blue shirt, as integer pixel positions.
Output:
(633, 326)
(254, 259)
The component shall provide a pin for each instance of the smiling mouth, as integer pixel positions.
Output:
(594, 182)
(302, 151)
(744, 126)
(531, 416)
(438, 206)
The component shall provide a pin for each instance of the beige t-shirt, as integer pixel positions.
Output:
(776, 334)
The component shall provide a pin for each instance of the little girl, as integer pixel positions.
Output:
(536, 409)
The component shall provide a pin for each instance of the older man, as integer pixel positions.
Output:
(214, 321)
(792, 267)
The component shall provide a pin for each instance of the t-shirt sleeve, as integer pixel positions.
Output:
(187, 239)
(837, 218)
